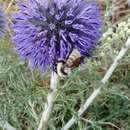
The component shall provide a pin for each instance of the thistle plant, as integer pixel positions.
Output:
(23, 92)
(46, 32)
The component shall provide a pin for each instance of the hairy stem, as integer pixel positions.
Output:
(105, 79)
(50, 101)
(8, 126)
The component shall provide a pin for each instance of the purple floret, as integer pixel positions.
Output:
(45, 32)
(2, 23)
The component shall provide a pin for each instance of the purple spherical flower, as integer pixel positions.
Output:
(47, 31)
(2, 23)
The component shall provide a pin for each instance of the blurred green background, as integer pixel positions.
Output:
(23, 91)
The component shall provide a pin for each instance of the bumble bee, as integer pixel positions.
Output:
(74, 60)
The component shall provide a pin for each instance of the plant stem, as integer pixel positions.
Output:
(50, 102)
(8, 126)
(96, 92)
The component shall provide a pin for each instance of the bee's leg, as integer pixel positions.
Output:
(67, 70)
(62, 69)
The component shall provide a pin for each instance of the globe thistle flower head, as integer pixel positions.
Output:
(2, 22)
(47, 31)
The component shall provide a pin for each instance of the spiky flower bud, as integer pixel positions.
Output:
(45, 32)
